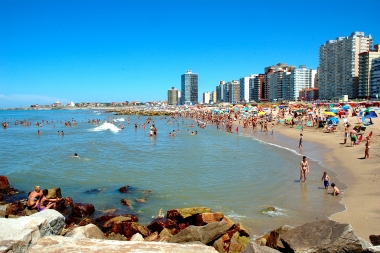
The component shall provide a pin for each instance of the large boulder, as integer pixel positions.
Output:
(206, 218)
(128, 229)
(89, 231)
(183, 213)
(159, 224)
(18, 234)
(204, 234)
(4, 183)
(255, 248)
(375, 239)
(82, 209)
(323, 236)
(74, 245)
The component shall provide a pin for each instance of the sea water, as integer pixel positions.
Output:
(237, 174)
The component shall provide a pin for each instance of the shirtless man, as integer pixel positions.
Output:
(304, 169)
(33, 197)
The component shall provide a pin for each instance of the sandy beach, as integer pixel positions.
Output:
(362, 176)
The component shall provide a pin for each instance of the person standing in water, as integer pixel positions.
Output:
(304, 169)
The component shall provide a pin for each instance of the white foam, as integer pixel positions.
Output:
(106, 126)
(120, 119)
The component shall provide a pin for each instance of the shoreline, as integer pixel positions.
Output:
(360, 177)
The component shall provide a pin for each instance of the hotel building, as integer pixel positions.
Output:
(375, 79)
(173, 96)
(365, 66)
(339, 65)
(189, 88)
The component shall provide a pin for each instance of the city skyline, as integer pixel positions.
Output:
(98, 51)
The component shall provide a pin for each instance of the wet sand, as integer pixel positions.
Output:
(361, 177)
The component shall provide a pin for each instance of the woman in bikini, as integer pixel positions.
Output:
(33, 197)
(45, 203)
(304, 169)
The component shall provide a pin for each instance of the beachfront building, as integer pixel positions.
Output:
(245, 88)
(233, 91)
(206, 98)
(189, 88)
(339, 65)
(375, 79)
(273, 80)
(298, 79)
(365, 66)
(174, 96)
(213, 97)
(308, 94)
(257, 87)
(220, 92)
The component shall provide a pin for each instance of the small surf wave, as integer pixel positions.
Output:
(106, 126)
(278, 212)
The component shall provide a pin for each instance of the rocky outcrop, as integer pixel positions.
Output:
(4, 183)
(204, 234)
(18, 234)
(74, 245)
(375, 239)
(323, 236)
(82, 209)
(89, 231)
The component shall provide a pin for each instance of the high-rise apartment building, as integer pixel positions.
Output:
(207, 98)
(173, 96)
(220, 92)
(233, 91)
(339, 65)
(273, 80)
(245, 89)
(189, 88)
(365, 66)
(375, 79)
(298, 79)
(258, 87)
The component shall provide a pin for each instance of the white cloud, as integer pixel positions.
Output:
(17, 100)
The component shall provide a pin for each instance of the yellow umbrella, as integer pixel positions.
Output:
(261, 113)
(330, 113)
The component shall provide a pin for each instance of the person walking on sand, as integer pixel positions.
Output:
(326, 180)
(345, 133)
(300, 142)
(304, 169)
(367, 146)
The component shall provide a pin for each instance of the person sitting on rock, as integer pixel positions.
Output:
(33, 198)
(45, 203)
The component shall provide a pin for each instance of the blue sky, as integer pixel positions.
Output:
(118, 50)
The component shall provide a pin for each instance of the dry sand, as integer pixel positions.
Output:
(362, 176)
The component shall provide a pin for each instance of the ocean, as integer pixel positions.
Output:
(237, 174)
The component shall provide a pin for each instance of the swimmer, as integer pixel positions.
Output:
(76, 155)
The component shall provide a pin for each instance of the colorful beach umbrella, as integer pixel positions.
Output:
(371, 115)
(261, 113)
(330, 113)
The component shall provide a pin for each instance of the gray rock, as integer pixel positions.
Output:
(18, 234)
(58, 244)
(323, 236)
(89, 231)
(373, 249)
(204, 234)
(255, 248)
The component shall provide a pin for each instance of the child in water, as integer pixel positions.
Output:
(326, 180)
(335, 190)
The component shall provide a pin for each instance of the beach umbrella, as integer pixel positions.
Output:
(333, 121)
(371, 115)
(334, 111)
(330, 113)
(346, 107)
(262, 113)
